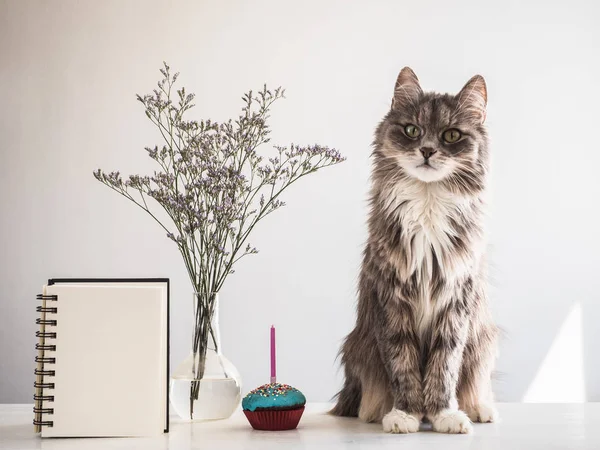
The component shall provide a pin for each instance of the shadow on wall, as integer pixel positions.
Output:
(562, 371)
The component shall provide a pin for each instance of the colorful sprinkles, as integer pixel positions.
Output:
(272, 390)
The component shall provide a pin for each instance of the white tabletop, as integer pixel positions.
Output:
(522, 426)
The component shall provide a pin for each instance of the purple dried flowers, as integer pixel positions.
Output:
(211, 181)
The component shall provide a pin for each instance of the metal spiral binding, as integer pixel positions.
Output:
(42, 372)
(45, 322)
(45, 334)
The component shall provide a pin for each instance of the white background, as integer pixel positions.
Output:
(68, 74)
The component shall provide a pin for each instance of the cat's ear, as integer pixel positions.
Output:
(407, 89)
(472, 99)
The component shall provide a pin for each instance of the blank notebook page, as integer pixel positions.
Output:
(110, 361)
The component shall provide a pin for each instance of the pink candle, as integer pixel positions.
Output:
(273, 365)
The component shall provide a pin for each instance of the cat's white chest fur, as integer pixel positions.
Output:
(425, 212)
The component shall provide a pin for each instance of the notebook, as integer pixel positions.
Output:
(102, 364)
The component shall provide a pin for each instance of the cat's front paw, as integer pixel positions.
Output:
(483, 413)
(397, 421)
(451, 421)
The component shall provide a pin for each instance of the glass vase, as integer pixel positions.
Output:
(206, 385)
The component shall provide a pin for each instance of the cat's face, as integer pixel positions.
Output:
(434, 136)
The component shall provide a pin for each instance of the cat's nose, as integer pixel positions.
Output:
(427, 152)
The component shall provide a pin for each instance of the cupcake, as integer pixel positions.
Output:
(274, 407)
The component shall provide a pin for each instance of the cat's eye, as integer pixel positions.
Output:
(452, 135)
(412, 131)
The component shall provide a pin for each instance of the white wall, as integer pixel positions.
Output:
(68, 74)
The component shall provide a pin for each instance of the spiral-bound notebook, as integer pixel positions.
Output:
(102, 358)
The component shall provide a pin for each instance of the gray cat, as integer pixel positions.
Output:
(424, 344)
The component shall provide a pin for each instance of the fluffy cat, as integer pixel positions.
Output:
(424, 343)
